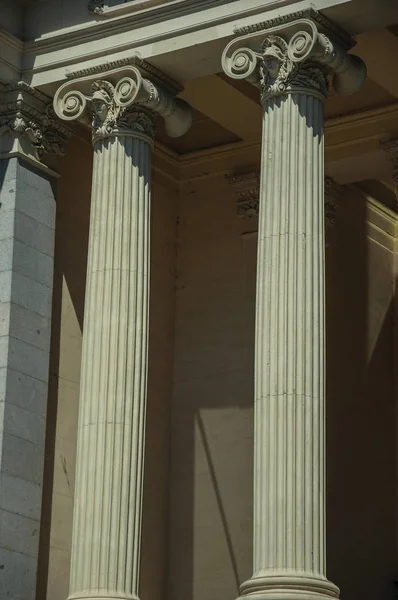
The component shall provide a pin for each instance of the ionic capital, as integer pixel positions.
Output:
(295, 53)
(27, 113)
(122, 101)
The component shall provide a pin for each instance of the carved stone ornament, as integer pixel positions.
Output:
(96, 7)
(333, 195)
(121, 101)
(246, 189)
(26, 111)
(294, 54)
(391, 151)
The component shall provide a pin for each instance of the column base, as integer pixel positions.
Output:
(99, 596)
(289, 586)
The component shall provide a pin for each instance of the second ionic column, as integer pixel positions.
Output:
(105, 559)
(290, 63)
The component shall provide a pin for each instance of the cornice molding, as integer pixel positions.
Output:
(144, 16)
(344, 39)
(146, 70)
(382, 221)
(11, 40)
(139, 19)
(27, 112)
(368, 116)
(389, 217)
(102, 8)
(46, 57)
(10, 56)
(349, 135)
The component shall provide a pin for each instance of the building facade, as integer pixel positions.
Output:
(198, 257)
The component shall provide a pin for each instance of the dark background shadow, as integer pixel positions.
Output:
(70, 264)
(361, 488)
(360, 409)
(211, 482)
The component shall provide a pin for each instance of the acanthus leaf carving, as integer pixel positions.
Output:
(96, 7)
(25, 111)
(246, 189)
(280, 74)
(294, 55)
(122, 102)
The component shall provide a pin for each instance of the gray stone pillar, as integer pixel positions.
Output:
(27, 227)
(289, 61)
(111, 432)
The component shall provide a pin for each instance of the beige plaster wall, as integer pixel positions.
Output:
(212, 428)
(73, 206)
(361, 491)
(71, 240)
(197, 530)
(211, 421)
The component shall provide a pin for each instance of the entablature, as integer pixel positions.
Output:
(183, 38)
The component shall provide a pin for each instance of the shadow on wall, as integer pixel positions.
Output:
(211, 479)
(212, 427)
(210, 533)
(360, 409)
(154, 559)
(71, 242)
(72, 226)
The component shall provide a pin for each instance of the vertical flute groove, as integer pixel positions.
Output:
(109, 475)
(289, 350)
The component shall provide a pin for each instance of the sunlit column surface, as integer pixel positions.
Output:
(110, 456)
(289, 60)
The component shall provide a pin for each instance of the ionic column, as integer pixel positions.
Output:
(289, 62)
(108, 493)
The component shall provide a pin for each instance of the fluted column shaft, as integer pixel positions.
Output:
(289, 503)
(109, 477)
(120, 105)
(290, 59)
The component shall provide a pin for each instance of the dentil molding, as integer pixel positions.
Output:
(146, 69)
(24, 111)
(123, 99)
(294, 54)
(104, 9)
